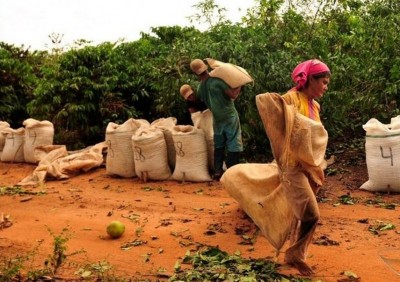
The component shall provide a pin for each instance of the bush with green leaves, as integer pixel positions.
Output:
(17, 82)
(83, 90)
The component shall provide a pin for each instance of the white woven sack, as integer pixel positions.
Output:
(191, 154)
(166, 125)
(204, 121)
(233, 75)
(37, 133)
(3, 125)
(119, 159)
(13, 150)
(382, 145)
(150, 154)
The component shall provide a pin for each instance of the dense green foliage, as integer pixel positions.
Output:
(84, 88)
(18, 80)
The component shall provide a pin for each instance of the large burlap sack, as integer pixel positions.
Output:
(204, 120)
(56, 163)
(166, 125)
(150, 154)
(273, 199)
(37, 133)
(382, 147)
(191, 154)
(256, 187)
(77, 163)
(46, 154)
(120, 159)
(13, 150)
(233, 75)
(3, 125)
(308, 145)
(294, 138)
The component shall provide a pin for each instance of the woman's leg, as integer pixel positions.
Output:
(305, 207)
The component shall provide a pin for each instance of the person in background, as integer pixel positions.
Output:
(219, 98)
(311, 80)
(192, 104)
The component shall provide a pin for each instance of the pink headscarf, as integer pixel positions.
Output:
(304, 69)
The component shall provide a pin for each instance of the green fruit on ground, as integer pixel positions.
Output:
(115, 229)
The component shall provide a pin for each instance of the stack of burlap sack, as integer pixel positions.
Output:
(18, 145)
(33, 143)
(161, 150)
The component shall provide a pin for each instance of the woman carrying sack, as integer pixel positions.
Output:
(311, 79)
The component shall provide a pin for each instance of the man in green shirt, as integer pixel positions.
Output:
(219, 98)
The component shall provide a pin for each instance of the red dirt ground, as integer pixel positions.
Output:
(169, 218)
